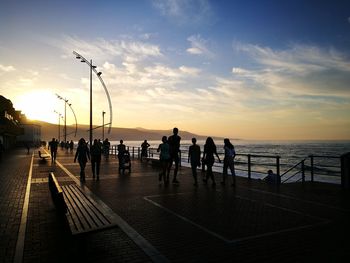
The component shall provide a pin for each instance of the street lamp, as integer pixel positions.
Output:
(65, 116)
(93, 68)
(103, 125)
(59, 125)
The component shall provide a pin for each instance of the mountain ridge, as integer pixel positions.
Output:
(49, 131)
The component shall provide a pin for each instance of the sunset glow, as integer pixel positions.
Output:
(220, 68)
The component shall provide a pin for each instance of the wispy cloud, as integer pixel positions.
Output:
(103, 49)
(198, 46)
(7, 68)
(300, 70)
(185, 12)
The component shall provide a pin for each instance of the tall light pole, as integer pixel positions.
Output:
(59, 125)
(93, 68)
(103, 125)
(65, 116)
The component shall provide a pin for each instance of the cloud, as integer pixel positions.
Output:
(105, 49)
(185, 12)
(7, 68)
(198, 46)
(298, 70)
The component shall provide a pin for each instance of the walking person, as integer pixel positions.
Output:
(106, 146)
(229, 161)
(144, 147)
(83, 154)
(208, 158)
(194, 156)
(53, 145)
(164, 157)
(71, 146)
(121, 150)
(96, 152)
(174, 143)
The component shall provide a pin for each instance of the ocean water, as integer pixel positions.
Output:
(326, 163)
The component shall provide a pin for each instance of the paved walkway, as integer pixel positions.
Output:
(252, 222)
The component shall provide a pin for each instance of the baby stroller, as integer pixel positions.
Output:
(125, 162)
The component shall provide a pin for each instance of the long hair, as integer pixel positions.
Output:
(228, 144)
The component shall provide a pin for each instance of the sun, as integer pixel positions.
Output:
(37, 105)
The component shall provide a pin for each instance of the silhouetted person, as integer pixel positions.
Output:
(83, 154)
(208, 158)
(144, 147)
(271, 178)
(174, 143)
(2, 149)
(194, 156)
(96, 152)
(53, 145)
(106, 146)
(27, 146)
(230, 155)
(71, 146)
(164, 157)
(121, 150)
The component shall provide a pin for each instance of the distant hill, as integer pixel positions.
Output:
(49, 131)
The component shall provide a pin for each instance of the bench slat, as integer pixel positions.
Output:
(95, 213)
(82, 203)
(79, 214)
(83, 211)
(73, 214)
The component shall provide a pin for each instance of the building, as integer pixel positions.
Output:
(31, 134)
(9, 123)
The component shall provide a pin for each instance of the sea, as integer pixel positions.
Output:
(292, 157)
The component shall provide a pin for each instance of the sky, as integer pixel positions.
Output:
(258, 70)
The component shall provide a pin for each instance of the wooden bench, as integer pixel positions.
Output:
(44, 156)
(83, 213)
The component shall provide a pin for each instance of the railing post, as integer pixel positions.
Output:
(303, 171)
(278, 169)
(312, 167)
(138, 153)
(249, 168)
(133, 153)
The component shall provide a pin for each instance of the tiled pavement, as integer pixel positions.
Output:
(249, 223)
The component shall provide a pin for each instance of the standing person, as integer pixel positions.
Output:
(208, 158)
(121, 150)
(53, 145)
(83, 154)
(144, 147)
(230, 155)
(96, 152)
(71, 146)
(194, 155)
(174, 143)
(164, 157)
(106, 146)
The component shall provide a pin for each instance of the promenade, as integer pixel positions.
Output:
(252, 222)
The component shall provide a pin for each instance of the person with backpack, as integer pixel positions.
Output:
(230, 154)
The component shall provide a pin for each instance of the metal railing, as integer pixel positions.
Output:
(311, 168)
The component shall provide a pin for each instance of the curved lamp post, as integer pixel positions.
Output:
(59, 124)
(65, 116)
(93, 68)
